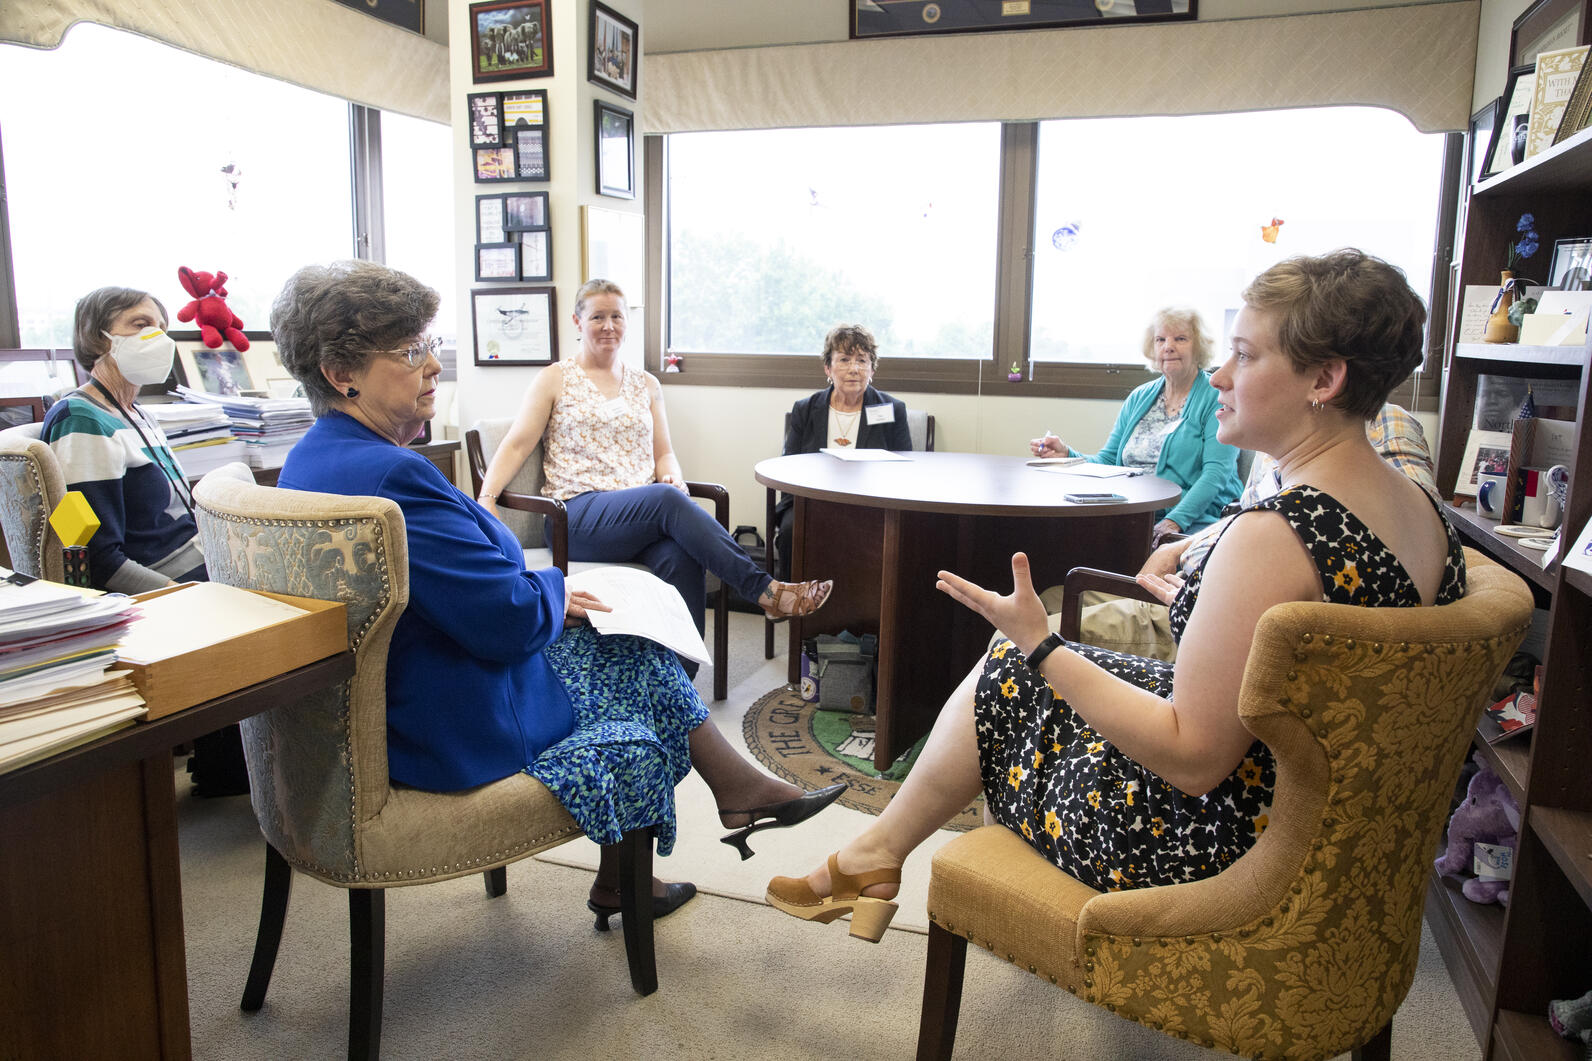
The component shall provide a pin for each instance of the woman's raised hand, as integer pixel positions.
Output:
(1020, 615)
(1047, 445)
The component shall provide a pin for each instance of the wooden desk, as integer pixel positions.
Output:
(92, 963)
(439, 452)
(882, 531)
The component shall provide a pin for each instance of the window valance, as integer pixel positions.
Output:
(1418, 60)
(319, 45)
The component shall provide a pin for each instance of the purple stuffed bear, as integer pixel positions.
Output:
(1487, 816)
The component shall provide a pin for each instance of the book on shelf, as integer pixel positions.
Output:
(1512, 716)
(1499, 398)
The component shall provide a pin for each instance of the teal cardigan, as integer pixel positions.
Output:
(1206, 469)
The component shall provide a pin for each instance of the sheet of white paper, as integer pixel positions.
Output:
(1095, 471)
(1474, 309)
(854, 454)
(1056, 462)
(644, 605)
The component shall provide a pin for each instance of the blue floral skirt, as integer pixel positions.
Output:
(634, 712)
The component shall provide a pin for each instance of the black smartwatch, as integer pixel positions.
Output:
(1041, 650)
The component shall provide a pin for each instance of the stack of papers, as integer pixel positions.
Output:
(200, 434)
(57, 645)
(268, 427)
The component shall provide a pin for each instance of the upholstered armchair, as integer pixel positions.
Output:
(31, 485)
(523, 507)
(318, 769)
(1305, 946)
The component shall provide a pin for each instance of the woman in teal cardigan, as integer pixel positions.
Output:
(1168, 426)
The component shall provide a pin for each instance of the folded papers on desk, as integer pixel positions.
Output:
(201, 640)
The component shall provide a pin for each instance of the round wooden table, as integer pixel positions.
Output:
(884, 529)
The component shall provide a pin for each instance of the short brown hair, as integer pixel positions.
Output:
(1192, 322)
(1351, 305)
(341, 315)
(844, 337)
(95, 313)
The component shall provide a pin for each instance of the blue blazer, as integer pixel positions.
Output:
(470, 696)
(1206, 469)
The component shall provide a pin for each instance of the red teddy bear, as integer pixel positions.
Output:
(209, 307)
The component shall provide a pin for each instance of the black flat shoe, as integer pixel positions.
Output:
(674, 896)
(780, 815)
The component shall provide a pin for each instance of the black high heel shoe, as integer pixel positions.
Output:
(674, 896)
(780, 815)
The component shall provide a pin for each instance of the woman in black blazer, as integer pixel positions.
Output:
(848, 412)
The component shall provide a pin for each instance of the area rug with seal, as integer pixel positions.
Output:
(814, 748)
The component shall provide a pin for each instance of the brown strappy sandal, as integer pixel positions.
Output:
(782, 600)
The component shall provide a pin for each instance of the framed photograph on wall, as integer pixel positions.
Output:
(497, 261)
(489, 219)
(907, 18)
(612, 50)
(523, 110)
(494, 164)
(1545, 26)
(525, 211)
(1572, 264)
(616, 151)
(530, 152)
(486, 119)
(536, 256)
(514, 326)
(510, 39)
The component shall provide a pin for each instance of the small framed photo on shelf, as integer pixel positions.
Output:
(486, 119)
(616, 151)
(1486, 453)
(525, 110)
(525, 211)
(1557, 72)
(514, 326)
(489, 219)
(612, 44)
(1509, 137)
(1572, 264)
(536, 256)
(494, 164)
(1482, 126)
(222, 371)
(510, 39)
(497, 261)
(530, 151)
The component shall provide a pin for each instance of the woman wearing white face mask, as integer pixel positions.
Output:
(118, 457)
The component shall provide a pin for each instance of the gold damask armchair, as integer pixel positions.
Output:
(31, 485)
(318, 769)
(1306, 945)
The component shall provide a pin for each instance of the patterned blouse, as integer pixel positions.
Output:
(1142, 450)
(596, 443)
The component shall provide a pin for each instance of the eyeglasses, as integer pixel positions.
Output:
(417, 352)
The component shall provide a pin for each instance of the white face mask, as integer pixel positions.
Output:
(143, 358)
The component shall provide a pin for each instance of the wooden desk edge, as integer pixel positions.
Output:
(145, 739)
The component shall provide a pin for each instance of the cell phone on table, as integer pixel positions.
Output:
(1093, 499)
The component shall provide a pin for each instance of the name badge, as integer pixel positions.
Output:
(880, 414)
(612, 409)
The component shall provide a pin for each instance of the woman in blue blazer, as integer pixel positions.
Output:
(491, 669)
(848, 412)
(1167, 427)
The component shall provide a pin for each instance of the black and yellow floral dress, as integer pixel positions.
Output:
(1102, 817)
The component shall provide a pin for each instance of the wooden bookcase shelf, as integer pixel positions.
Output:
(1508, 964)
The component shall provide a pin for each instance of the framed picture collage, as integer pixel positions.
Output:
(511, 41)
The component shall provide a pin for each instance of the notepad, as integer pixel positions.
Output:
(1097, 471)
(1051, 463)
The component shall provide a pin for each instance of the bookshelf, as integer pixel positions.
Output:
(1508, 963)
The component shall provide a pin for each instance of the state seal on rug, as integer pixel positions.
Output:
(813, 748)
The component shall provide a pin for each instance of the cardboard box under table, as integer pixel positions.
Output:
(201, 640)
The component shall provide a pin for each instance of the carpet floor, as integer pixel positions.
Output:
(525, 976)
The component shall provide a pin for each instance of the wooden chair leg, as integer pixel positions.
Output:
(635, 908)
(367, 938)
(497, 881)
(273, 914)
(1377, 1048)
(942, 994)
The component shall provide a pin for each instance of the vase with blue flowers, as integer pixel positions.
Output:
(1503, 325)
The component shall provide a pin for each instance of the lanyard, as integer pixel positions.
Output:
(175, 481)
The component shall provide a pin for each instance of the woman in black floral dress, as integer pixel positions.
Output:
(1129, 772)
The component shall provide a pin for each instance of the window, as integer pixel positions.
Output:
(1138, 213)
(158, 193)
(417, 193)
(776, 236)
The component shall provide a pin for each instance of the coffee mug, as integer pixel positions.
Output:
(1539, 505)
(1490, 494)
